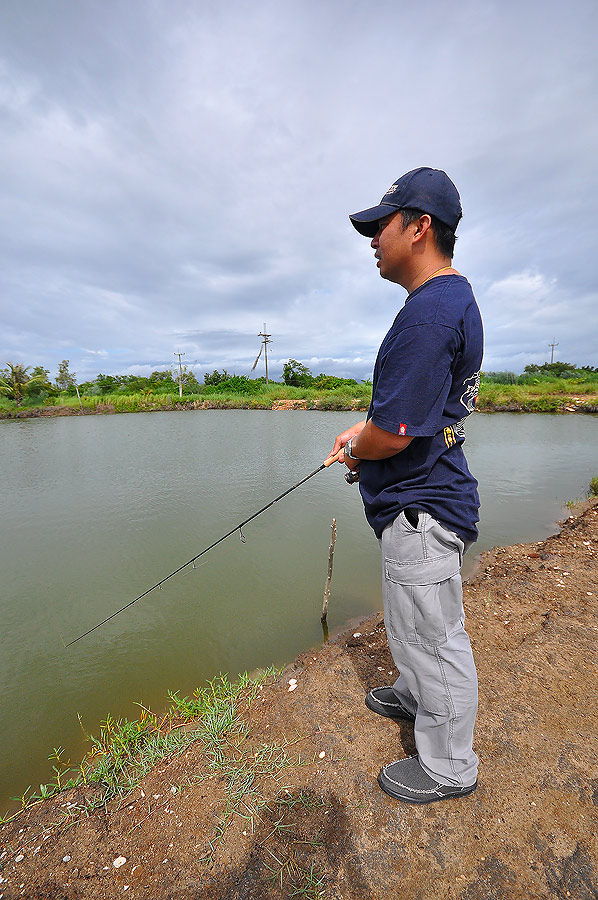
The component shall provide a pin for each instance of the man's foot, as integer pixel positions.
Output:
(385, 702)
(406, 780)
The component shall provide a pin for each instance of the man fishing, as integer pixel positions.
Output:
(419, 495)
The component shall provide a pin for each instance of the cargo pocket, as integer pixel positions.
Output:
(414, 595)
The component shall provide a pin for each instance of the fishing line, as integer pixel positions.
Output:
(190, 562)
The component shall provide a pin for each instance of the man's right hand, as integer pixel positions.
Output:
(336, 452)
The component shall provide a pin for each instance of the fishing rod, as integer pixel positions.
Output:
(349, 476)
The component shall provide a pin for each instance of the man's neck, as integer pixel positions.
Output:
(433, 269)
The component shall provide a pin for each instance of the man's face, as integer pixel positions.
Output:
(392, 244)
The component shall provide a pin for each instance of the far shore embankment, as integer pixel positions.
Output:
(489, 401)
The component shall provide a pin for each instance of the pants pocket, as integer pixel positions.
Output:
(423, 600)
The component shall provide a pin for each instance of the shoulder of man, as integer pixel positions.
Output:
(442, 301)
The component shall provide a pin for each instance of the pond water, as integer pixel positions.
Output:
(97, 509)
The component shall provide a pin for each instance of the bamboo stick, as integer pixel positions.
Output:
(329, 576)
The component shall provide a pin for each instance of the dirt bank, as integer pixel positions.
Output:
(294, 807)
(565, 404)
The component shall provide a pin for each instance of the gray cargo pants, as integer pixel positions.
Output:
(424, 618)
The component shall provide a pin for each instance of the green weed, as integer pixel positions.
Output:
(572, 503)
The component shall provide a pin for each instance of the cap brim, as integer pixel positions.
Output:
(366, 221)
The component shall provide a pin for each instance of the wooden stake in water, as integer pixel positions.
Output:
(329, 576)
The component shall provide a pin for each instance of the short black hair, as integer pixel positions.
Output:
(444, 236)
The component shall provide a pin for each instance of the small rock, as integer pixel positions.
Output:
(357, 634)
(19, 858)
(322, 754)
(119, 861)
(66, 858)
(292, 687)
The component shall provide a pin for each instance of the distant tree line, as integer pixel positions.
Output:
(294, 374)
(545, 372)
(20, 383)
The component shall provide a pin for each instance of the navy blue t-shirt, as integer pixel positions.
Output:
(425, 384)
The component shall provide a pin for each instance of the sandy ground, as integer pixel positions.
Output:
(324, 828)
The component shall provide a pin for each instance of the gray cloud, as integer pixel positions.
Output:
(175, 176)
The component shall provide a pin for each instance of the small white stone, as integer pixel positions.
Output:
(19, 858)
(156, 796)
(119, 861)
(357, 634)
(66, 858)
(292, 687)
(322, 754)
(292, 681)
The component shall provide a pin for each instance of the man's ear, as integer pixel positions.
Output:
(421, 227)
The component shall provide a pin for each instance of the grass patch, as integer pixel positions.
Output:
(528, 394)
(124, 751)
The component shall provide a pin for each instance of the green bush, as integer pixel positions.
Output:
(500, 377)
(236, 384)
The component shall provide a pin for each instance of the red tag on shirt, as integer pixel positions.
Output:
(402, 429)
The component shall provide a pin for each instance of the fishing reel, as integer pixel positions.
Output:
(351, 477)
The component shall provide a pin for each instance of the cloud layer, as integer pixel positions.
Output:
(174, 176)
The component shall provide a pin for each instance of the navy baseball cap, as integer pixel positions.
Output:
(430, 190)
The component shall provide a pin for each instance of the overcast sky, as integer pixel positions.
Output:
(176, 173)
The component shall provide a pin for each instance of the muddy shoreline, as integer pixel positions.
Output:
(530, 830)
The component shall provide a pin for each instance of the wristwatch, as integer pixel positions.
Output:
(349, 450)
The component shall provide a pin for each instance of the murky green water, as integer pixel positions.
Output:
(97, 509)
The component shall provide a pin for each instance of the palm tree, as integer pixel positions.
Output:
(14, 381)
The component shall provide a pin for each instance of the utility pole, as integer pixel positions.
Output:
(552, 346)
(266, 341)
(176, 353)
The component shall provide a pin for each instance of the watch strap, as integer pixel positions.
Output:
(349, 450)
